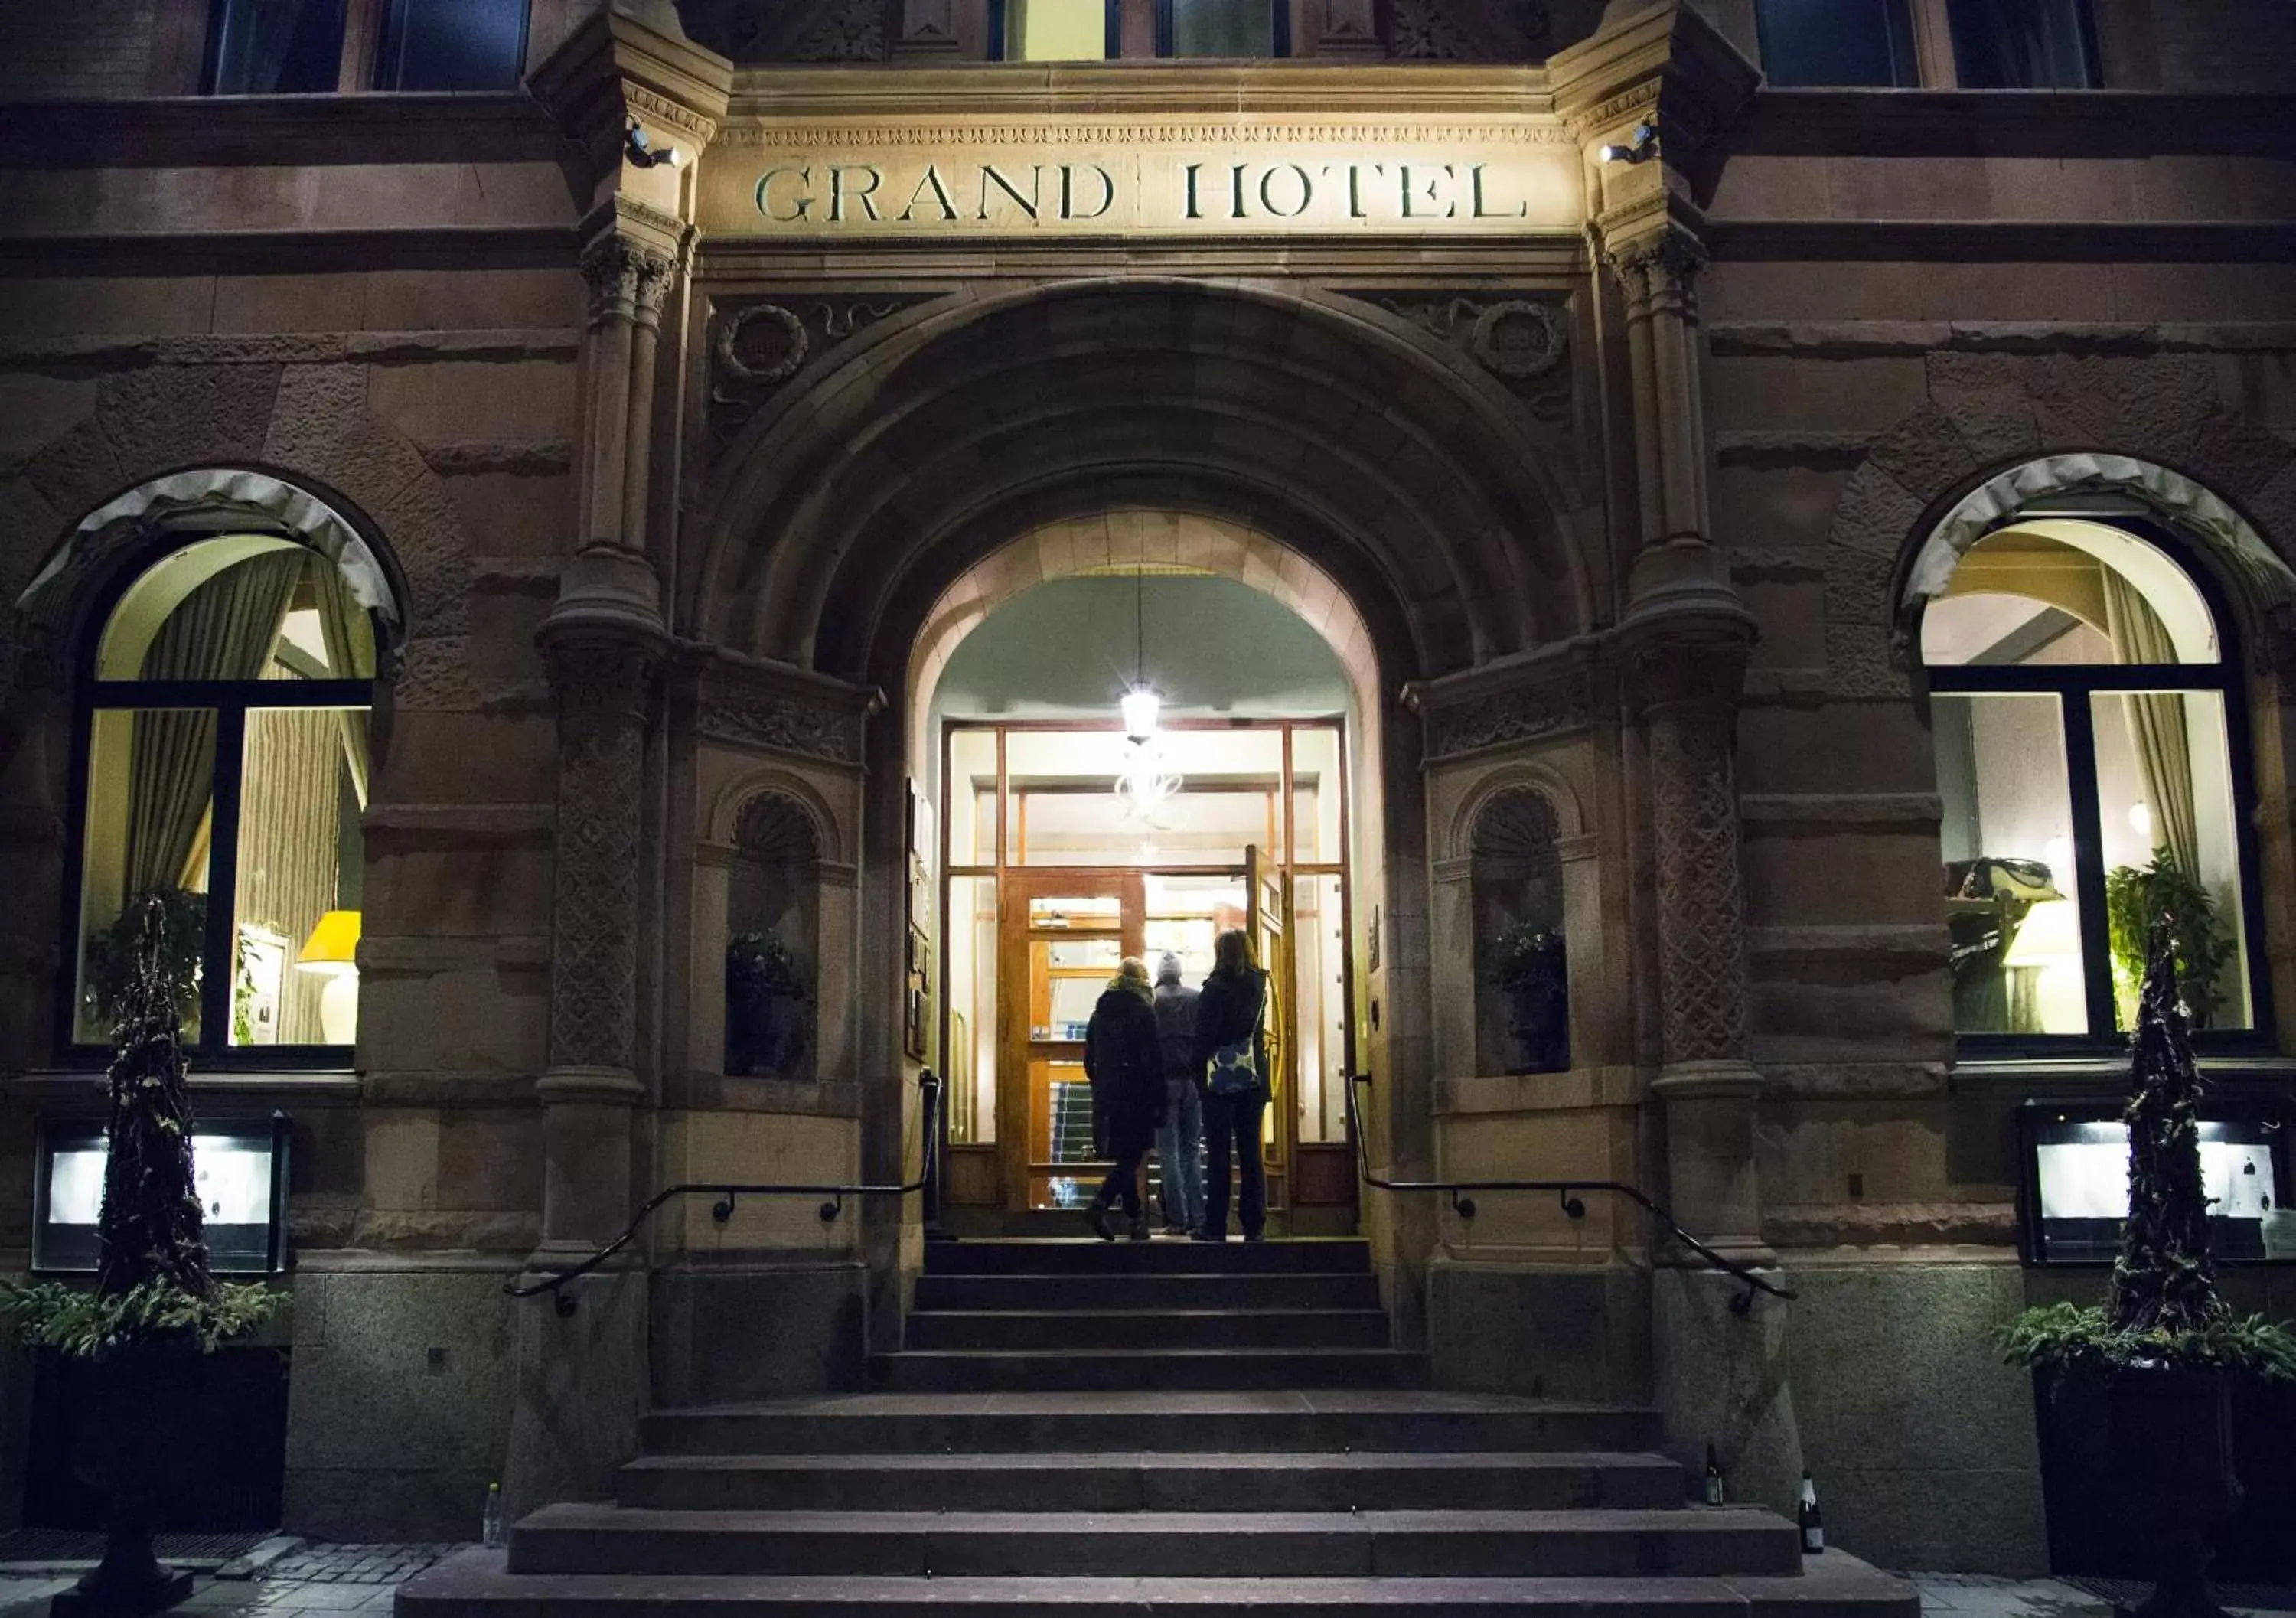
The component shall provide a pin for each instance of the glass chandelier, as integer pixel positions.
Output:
(1144, 787)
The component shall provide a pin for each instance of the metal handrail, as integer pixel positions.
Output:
(1573, 1207)
(729, 1194)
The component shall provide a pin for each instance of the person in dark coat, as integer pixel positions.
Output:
(1125, 1062)
(1231, 1017)
(1180, 1144)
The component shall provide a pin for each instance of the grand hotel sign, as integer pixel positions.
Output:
(841, 182)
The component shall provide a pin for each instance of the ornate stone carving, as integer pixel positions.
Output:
(1520, 341)
(849, 30)
(1689, 680)
(1518, 715)
(1660, 271)
(768, 355)
(759, 347)
(764, 719)
(1423, 30)
(603, 686)
(628, 279)
(774, 828)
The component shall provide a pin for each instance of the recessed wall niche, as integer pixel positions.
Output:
(1522, 1026)
(772, 952)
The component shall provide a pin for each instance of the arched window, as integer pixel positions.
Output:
(2085, 719)
(224, 767)
(1523, 1006)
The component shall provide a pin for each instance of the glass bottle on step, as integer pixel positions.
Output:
(490, 1526)
(1807, 1518)
(1713, 1477)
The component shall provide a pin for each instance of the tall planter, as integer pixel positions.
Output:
(135, 1448)
(2173, 1460)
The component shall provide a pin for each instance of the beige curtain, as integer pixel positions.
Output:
(291, 800)
(2156, 731)
(224, 630)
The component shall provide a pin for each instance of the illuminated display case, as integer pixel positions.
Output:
(240, 1170)
(2074, 1195)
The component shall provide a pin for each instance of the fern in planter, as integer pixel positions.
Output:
(2139, 899)
(1529, 963)
(760, 972)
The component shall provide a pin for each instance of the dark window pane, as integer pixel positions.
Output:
(1838, 42)
(1221, 27)
(274, 47)
(2022, 44)
(453, 44)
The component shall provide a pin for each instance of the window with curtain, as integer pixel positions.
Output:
(452, 45)
(225, 749)
(274, 47)
(1054, 30)
(1813, 43)
(2023, 45)
(2083, 710)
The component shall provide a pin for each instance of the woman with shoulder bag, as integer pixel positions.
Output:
(1232, 1053)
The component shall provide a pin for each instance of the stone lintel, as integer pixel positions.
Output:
(761, 704)
(1530, 697)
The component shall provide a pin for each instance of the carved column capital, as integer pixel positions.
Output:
(1658, 271)
(628, 279)
(1689, 662)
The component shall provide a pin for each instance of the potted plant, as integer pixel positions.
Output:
(155, 1311)
(2135, 900)
(1527, 964)
(2166, 1343)
(761, 973)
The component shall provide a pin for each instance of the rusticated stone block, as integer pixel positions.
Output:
(318, 407)
(77, 472)
(1925, 453)
(171, 415)
(1877, 514)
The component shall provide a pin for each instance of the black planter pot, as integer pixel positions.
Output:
(2172, 1460)
(1541, 1028)
(135, 1448)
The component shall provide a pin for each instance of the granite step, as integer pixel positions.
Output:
(1280, 1421)
(1062, 1370)
(1538, 1481)
(1177, 1328)
(1048, 1256)
(1621, 1543)
(1149, 1292)
(474, 1584)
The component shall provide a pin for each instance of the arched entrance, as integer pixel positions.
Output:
(1053, 863)
(1376, 477)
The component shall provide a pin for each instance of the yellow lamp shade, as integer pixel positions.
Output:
(334, 944)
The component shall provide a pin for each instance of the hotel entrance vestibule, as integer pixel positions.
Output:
(1054, 875)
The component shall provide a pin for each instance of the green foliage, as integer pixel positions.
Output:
(109, 976)
(760, 964)
(2137, 900)
(85, 1323)
(1526, 956)
(2062, 1336)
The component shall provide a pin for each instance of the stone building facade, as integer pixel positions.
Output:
(1621, 487)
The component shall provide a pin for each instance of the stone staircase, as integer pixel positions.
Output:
(1075, 1428)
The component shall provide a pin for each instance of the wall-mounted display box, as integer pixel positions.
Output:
(239, 1166)
(2074, 1195)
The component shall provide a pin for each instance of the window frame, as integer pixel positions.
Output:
(386, 21)
(1114, 36)
(2074, 686)
(230, 700)
(1279, 34)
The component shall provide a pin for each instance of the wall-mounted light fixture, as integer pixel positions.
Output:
(1640, 147)
(638, 147)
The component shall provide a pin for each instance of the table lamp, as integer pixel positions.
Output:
(332, 950)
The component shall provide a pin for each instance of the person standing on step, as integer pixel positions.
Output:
(1232, 1053)
(1180, 1142)
(1125, 1062)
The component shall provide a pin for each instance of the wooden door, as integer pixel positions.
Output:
(1060, 936)
(1268, 918)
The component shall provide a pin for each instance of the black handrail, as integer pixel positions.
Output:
(1573, 1207)
(728, 1194)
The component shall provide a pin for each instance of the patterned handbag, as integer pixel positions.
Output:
(1235, 1067)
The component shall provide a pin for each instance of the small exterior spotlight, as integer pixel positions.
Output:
(1640, 148)
(639, 149)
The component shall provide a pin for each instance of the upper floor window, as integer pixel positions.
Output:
(2031, 44)
(274, 47)
(223, 752)
(1095, 31)
(452, 45)
(1838, 42)
(2086, 721)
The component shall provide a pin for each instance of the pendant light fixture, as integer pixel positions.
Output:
(1144, 785)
